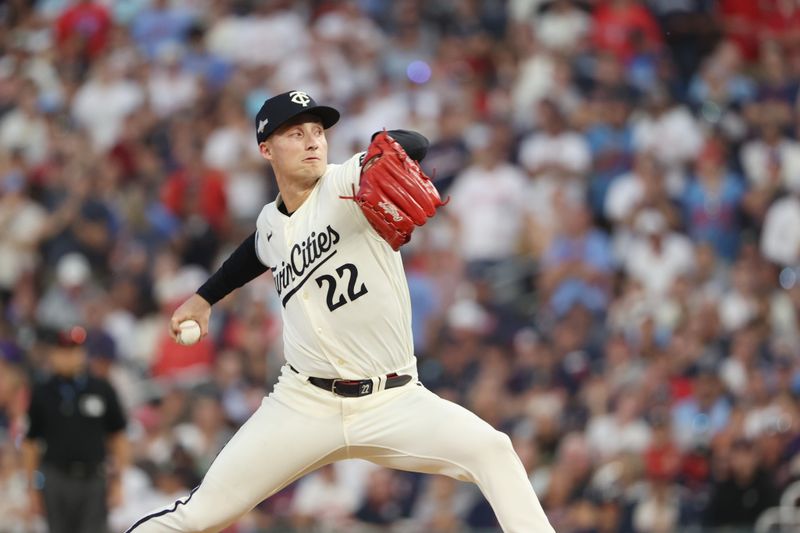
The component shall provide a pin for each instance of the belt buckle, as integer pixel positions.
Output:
(364, 387)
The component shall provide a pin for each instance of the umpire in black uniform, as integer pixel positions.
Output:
(75, 447)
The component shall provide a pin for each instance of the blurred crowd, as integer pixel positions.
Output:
(615, 282)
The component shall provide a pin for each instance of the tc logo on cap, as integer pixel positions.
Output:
(300, 98)
(285, 106)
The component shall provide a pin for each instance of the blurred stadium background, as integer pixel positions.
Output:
(614, 283)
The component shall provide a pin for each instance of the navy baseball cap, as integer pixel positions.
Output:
(282, 107)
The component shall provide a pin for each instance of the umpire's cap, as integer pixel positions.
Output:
(282, 107)
(70, 337)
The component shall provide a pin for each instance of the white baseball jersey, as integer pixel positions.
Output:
(332, 273)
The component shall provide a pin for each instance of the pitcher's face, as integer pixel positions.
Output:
(298, 150)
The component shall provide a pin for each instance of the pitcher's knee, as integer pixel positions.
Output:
(493, 446)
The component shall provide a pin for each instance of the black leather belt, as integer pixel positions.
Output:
(355, 388)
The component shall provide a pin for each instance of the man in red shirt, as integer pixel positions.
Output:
(615, 23)
(83, 29)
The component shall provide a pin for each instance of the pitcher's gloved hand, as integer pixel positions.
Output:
(395, 194)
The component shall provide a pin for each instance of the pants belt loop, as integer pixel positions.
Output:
(379, 383)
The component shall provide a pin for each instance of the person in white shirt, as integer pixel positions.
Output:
(562, 26)
(622, 431)
(657, 256)
(487, 203)
(554, 152)
(22, 224)
(169, 88)
(230, 149)
(350, 387)
(644, 185)
(668, 130)
(323, 498)
(102, 103)
(25, 129)
(557, 160)
(780, 237)
(770, 149)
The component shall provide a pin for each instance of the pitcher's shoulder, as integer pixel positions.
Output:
(340, 177)
(266, 214)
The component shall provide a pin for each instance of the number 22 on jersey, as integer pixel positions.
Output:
(348, 275)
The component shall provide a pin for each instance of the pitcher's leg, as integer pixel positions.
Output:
(275, 446)
(422, 432)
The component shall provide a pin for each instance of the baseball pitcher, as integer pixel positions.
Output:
(350, 387)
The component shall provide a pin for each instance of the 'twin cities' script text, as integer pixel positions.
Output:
(304, 258)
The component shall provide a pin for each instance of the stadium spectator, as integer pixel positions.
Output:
(24, 129)
(557, 160)
(618, 24)
(620, 431)
(160, 25)
(493, 232)
(610, 141)
(170, 89)
(82, 30)
(323, 500)
(562, 26)
(741, 491)
(780, 238)
(657, 256)
(449, 154)
(104, 100)
(577, 265)
(22, 221)
(712, 202)
(668, 130)
(769, 162)
(706, 411)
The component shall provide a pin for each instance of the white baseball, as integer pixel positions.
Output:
(189, 332)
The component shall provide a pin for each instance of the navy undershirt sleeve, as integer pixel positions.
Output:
(241, 267)
(415, 144)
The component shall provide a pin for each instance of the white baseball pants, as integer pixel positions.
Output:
(300, 428)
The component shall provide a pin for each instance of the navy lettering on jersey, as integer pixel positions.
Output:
(305, 258)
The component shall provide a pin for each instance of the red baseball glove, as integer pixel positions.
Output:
(395, 194)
